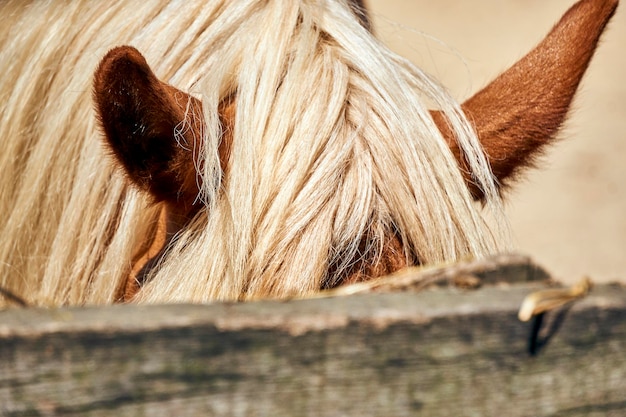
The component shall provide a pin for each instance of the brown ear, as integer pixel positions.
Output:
(139, 115)
(521, 111)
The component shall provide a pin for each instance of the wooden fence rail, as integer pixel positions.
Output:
(439, 352)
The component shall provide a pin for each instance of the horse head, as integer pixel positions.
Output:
(155, 130)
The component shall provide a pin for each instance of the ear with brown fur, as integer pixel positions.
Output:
(139, 115)
(522, 110)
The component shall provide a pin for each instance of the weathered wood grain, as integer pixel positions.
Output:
(440, 352)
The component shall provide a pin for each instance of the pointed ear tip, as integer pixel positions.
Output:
(606, 7)
(116, 63)
(123, 52)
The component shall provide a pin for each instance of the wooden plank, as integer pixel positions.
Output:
(440, 352)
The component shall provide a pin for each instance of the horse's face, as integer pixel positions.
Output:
(515, 116)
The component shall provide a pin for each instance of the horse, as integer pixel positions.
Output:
(170, 151)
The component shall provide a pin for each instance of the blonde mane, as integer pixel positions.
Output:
(333, 146)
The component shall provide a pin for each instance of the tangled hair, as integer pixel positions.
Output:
(333, 151)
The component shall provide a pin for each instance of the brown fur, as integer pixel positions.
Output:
(522, 110)
(515, 116)
(392, 258)
(138, 114)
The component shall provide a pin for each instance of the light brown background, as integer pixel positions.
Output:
(570, 214)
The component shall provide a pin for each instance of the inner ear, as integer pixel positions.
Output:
(140, 115)
(522, 110)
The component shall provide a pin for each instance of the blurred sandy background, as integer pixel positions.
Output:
(569, 215)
